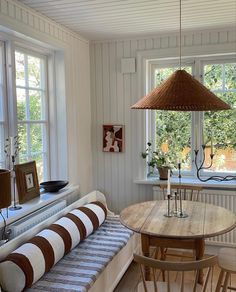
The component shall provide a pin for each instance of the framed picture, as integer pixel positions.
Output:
(113, 138)
(27, 181)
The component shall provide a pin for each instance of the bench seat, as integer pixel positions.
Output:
(81, 267)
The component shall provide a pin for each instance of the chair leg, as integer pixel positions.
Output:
(226, 282)
(162, 258)
(221, 276)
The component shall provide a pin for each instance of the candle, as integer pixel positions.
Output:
(12, 150)
(168, 183)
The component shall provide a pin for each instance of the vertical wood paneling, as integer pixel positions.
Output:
(114, 173)
(119, 157)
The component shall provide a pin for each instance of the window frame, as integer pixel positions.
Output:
(197, 122)
(4, 122)
(46, 136)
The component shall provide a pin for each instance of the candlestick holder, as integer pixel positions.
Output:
(11, 151)
(15, 206)
(169, 212)
(181, 213)
(202, 167)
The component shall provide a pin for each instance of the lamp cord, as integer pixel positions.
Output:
(180, 34)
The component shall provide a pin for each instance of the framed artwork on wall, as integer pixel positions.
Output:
(27, 181)
(113, 138)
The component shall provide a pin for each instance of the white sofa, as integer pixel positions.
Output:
(120, 250)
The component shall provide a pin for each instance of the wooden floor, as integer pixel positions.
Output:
(131, 278)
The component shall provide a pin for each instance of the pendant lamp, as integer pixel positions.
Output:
(181, 92)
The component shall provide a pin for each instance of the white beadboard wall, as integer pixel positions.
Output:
(112, 94)
(18, 18)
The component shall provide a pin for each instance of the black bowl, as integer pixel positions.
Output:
(53, 186)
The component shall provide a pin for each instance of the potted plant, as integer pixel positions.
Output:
(156, 160)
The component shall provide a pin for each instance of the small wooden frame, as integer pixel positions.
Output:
(27, 181)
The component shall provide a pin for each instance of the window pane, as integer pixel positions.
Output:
(20, 69)
(213, 76)
(40, 167)
(230, 76)
(21, 104)
(221, 125)
(22, 134)
(173, 129)
(35, 102)
(36, 137)
(34, 71)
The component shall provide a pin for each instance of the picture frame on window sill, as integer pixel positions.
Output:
(27, 181)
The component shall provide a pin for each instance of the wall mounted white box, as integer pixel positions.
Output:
(128, 65)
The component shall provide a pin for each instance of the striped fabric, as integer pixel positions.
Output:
(80, 268)
(32, 260)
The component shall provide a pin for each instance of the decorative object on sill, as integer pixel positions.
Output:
(181, 91)
(113, 138)
(53, 186)
(5, 199)
(27, 181)
(11, 150)
(156, 160)
(202, 167)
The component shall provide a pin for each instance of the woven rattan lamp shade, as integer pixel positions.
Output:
(181, 92)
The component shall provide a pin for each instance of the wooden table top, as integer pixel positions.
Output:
(204, 220)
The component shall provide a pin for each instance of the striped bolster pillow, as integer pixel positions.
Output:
(29, 262)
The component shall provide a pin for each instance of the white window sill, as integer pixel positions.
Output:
(35, 204)
(185, 181)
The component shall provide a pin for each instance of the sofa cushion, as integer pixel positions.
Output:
(29, 262)
(79, 269)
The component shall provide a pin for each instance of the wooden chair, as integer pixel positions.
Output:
(227, 263)
(178, 285)
(188, 192)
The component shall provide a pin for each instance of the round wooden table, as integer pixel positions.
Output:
(203, 221)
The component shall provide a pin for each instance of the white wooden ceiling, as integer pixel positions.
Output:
(109, 19)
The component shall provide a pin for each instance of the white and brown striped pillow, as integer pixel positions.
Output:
(28, 263)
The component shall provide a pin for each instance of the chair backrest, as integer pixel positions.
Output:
(188, 192)
(181, 267)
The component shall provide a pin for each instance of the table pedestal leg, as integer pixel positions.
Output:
(200, 248)
(145, 243)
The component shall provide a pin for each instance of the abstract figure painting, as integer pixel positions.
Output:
(113, 138)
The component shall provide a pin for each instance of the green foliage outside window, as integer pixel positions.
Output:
(173, 129)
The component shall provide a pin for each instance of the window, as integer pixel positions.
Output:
(221, 79)
(175, 132)
(31, 100)
(25, 110)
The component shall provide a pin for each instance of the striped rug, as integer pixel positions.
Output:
(79, 269)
